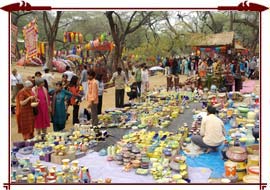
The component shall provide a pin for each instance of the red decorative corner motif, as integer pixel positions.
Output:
(6, 186)
(24, 6)
(263, 187)
(245, 7)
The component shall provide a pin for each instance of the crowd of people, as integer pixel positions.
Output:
(41, 100)
(189, 65)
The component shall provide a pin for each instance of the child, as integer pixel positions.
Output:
(133, 94)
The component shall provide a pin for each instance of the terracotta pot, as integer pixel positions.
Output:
(108, 180)
(136, 163)
(237, 154)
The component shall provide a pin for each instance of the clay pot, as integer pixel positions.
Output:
(237, 154)
(136, 163)
(108, 180)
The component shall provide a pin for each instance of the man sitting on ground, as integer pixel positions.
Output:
(212, 133)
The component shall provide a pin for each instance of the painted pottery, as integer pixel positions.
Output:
(237, 154)
(230, 168)
(253, 149)
(255, 170)
(253, 160)
(251, 115)
(241, 174)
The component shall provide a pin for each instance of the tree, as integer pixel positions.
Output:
(123, 26)
(250, 21)
(51, 30)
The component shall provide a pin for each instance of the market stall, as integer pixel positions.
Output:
(155, 144)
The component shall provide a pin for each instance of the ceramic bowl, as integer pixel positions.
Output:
(253, 149)
(65, 161)
(251, 179)
(253, 170)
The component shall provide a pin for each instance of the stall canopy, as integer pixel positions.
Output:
(212, 44)
(220, 39)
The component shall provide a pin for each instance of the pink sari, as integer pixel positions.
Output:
(42, 119)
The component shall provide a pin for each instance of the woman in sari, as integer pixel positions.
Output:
(76, 98)
(59, 108)
(203, 68)
(24, 112)
(42, 119)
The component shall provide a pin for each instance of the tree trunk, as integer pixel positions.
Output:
(51, 32)
(231, 21)
(116, 58)
(18, 55)
(50, 54)
(117, 61)
(255, 42)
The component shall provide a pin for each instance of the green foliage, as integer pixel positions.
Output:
(153, 38)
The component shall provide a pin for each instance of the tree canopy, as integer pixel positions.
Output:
(144, 33)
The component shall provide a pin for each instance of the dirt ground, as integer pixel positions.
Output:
(108, 97)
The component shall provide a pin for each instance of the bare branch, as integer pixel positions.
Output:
(246, 22)
(120, 21)
(18, 16)
(143, 21)
(170, 25)
(181, 17)
(45, 24)
(56, 23)
(129, 22)
(214, 25)
(112, 25)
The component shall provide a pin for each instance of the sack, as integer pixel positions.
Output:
(35, 111)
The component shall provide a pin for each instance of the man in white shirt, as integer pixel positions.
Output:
(16, 84)
(212, 133)
(48, 77)
(120, 80)
(84, 81)
(145, 80)
(69, 73)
